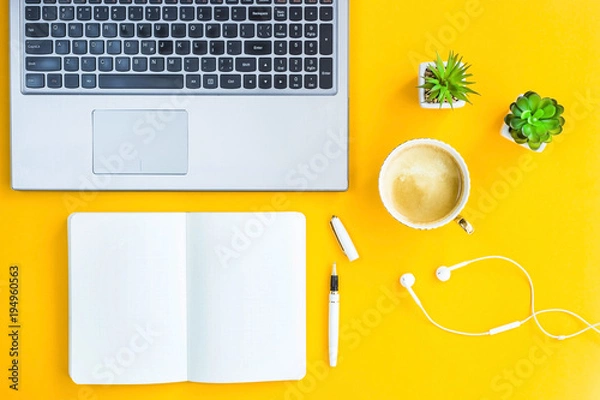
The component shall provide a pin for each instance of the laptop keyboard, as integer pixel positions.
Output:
(180, 46)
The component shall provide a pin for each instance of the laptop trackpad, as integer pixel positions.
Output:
(140, 142)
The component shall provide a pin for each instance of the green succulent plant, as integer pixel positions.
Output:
(445, 83)
(534, 120)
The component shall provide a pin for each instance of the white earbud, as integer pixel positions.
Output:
(408, 280)
(443, 273)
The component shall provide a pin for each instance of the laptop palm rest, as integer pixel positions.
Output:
(147, 142)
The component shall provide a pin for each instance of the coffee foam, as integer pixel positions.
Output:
(424, 183)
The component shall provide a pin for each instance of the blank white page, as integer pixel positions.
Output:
(246, 297)
(127, 298)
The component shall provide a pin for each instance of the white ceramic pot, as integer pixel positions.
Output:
(422, 67)
(506, 134)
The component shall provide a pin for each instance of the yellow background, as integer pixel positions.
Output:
(541, 209)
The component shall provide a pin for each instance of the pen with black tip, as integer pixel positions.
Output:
(334, 317)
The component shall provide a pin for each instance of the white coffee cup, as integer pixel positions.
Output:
(429, 178)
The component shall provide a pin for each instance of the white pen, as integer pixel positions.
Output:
(334, 317)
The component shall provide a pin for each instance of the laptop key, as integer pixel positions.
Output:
(71, 81)
(66, 13)
(257, 47)
(280, 82)
(105, 64)
(101, 13)
(144, 30)
(231, 81)
(148, 47)
(71, 64)
(49, 13)
(326, 73)
(62, 47)
(249, 81)
(109, 30)
(135, 13)
(122, 64)
(182, 47)
(295, 64)
(41, 64)
(135, 81)
(310, 64)
(76, 30)
(238, 13)
(280, 13)
(88, 81)
(225, 64)
(280, 65)
(221, 14)
(212, 30)
(210, 81)
(127, 30)
(88, 64)
(326, 39)
(165, 47)
(310, 31)
(295, 13)
(245, 64)
(199, 47)
(96, 47)
(295, 81)
(247, 31)
(157, 64)
(217, 47)
(209, 64)
(37, 30)
(264, 81)
(195, 30)
(92, 30)
(326, 13)
(84, 13)
(310, 81)
(260, 13)
(191, 64)
(140, 64)
(310, 13)
(192, 81)
(118, 13)
(34, 81)
(131, 47)
(32, 13)
(113, 47)
(264, 64)
(54, 81)
(59, 30)
(174, 64)
(38, 46)
(234, 47)
(310, 47)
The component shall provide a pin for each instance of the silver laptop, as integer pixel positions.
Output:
(179, 94)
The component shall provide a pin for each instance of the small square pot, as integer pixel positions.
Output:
(422, 68)
(506, 134)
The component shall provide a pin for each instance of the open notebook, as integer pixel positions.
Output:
(203, 297)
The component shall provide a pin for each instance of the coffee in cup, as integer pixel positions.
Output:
(424, 184)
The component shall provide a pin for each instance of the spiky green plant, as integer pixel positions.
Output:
(445, 83)
(534, 120)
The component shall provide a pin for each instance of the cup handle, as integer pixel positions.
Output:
(463, 223)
